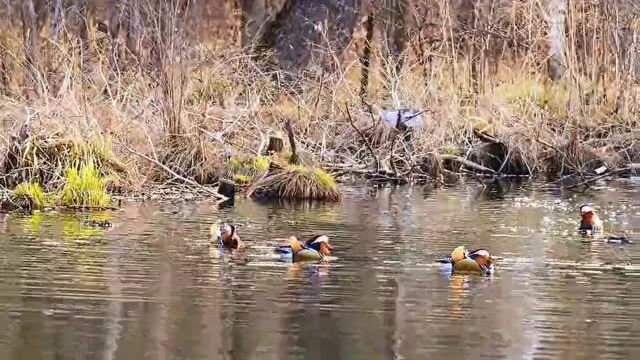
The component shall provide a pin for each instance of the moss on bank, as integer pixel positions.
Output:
(244, 170)
(57, 172)
(84, 187)
(30, 196)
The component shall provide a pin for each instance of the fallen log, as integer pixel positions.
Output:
(633, 167)
(468, 163)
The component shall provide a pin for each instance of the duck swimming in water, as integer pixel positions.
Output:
(461, 260)
(319, 243)
(225, 235)
(590, 223)
(303, 252)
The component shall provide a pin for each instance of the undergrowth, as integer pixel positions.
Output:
(244, 170)
(298, 182)
(88, 125)
(30, 196)
(84, 187)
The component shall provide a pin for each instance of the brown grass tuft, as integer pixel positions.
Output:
(298, 183)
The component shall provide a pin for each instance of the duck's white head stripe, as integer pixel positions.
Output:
(585, 209)
(321, 239)
(482, 252)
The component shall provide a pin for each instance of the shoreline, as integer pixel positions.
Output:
(184, 193)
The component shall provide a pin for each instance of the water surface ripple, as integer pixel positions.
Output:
(153, 288)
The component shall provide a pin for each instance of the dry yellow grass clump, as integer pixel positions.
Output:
(298, 182)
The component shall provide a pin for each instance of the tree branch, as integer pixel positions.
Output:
(364, 138)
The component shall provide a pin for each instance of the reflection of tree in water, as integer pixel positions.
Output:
(147, 291)
(497, 190)
(112, 323)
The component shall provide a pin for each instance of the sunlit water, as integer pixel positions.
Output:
(153, 288)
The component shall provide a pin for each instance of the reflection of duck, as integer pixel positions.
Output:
(590, 223)
(456, 294)
(103, 224)
(319, 243)
(307, 271)
(303, 252)
(461, 260)
(225, 235)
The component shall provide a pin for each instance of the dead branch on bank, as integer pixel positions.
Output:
(174, 174)
(468, 163)
(363, 137)
(634, 167)
(292, 143)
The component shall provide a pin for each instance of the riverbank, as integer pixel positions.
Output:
(502, 135)
(209, 113)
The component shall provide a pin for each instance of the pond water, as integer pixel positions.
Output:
(152, 287)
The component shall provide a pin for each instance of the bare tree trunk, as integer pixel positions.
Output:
(254, 15)
(557, 59)
(269, 36)
(56, 19)
(474, 53)
(116, 10)
(394, 30)
(134, 26)
(10, 9)
(125, 19)
(365, 60)
(308, 32)
(30, 41)
(81, 9)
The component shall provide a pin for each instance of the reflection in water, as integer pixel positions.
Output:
(152, 287)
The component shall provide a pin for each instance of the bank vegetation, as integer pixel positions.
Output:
(155, 92)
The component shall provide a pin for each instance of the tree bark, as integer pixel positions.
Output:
(294, 159)
(125, 18)
(254, 15)
(81, 6)
(56, 19)
(275, 145)
(365, 60)
(30, 42)
(308, 32)
(556, 23)
(394, 30)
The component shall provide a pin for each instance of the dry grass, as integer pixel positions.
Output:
(210, 102)
(298, 182)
